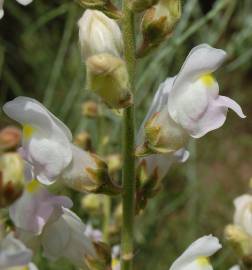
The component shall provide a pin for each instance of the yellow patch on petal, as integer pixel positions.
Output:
(115, 262)
(207, 79)
(203, 261)
(28, 130)
(32, 186)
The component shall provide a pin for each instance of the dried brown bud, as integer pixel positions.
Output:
(9, 137)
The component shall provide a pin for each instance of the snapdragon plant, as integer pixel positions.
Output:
(185, 106)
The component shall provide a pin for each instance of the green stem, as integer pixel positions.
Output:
(106, 220)
(128, 198)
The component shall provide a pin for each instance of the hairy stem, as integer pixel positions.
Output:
(127, 241)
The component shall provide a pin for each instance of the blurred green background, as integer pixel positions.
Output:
(40, 58)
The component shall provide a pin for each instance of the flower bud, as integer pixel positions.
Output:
(9, 137)
(99, 34)
(141, 5)
(162, 135)
(107, 76)
(11, 178)
(114, 162)
(105, 6)
(83, 140)
(92, 203)
(239, 239)
(90, 109)
(158, 23)
(89, 173)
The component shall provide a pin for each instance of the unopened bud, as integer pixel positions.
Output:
(89, 173)
(239, 239)
(92, 203)
(107, 76)
(158, 23)
(11, 178)
(141, 5)
(99, 34)
(90, 109)
(100, 175)
(105, 6)
(114, 162)
(9, 137)
(83, 140)
(162, 135)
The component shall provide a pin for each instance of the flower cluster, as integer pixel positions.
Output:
(185, 106)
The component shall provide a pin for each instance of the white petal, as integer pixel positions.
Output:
(1, 9)
(163, 162)
(159, 101)
(66, 238)
(47, 148)
(55, 238)
(94, 234)
(247, 220)
(200, 109)
(201, 60)
(75, 175)
(49, 157)
(99, 34)
(13, 253)
(24, 2)
(33, 210)
(27, 110)
(32, 266)
(203, 247)
(243, 213)
(241, 203)
(231, 104)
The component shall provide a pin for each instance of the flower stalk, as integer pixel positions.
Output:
(128, 138)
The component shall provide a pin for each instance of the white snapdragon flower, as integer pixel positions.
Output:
(99, 34)
(243, 213)
(46, 140)
(13, 253)
(195, 257)
(35, 207)
(22, 2)
(194, 106)
(43, 219)
(48, 150)
(194, 102)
